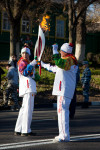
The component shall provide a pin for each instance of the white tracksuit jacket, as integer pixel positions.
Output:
(26, 84)
(65, 81)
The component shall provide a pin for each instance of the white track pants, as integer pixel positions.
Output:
(25, 114)
(63, 104)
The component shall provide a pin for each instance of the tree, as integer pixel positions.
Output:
(35, 9)
(81, 30)
(77, 28)
(93, 13)
(93, 19)
(80, 35)
(15, 11)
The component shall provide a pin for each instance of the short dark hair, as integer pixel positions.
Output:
(14, 55)
(9, 65)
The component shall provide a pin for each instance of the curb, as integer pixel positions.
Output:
(54, 105)
(95, 103)
(80, 104)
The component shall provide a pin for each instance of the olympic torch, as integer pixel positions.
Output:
(40, 43)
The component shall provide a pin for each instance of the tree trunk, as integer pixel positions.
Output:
(80, 38)
(12, 41)
(70, 21)
(71, 29)
(14, 37)
(18, 49)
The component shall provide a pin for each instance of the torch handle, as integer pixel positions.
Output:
(40, 69)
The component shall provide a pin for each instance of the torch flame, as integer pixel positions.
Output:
(44, 24)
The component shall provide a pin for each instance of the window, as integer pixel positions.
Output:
(5, 22)
(60, 28)
(25, 25)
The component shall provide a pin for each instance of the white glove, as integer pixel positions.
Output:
(42, 63)
(55, 48)
(33, 63)
(46, 66)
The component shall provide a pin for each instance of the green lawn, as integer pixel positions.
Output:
(47, 78)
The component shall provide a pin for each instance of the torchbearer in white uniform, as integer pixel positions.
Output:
(64, 86)
(27, 90)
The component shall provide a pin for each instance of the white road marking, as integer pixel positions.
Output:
(36, 141)
(46, 141)
(84, 138)
(88, 135)
(25, 145)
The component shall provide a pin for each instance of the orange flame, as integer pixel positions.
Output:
(44, 24)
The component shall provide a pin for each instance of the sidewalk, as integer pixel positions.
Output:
(44, 100)
(54, 105)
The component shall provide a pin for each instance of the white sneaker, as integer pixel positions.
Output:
(57, 139)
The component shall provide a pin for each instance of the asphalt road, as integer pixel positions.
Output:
(84, 130)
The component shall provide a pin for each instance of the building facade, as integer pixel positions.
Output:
(58, 33)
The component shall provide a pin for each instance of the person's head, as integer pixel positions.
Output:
(25, 52)
(65, 49)
(14, 57)
(28, 37)
(8, 66)
(26, 45)
(85, 64)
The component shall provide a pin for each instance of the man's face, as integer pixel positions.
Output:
(14, 58)
(85, 65)
(7, 67)
(25, 55)
(63, 54)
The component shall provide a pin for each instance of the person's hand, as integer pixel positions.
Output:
(36, 58)
(38, 62)
(42, 63)
(33, 63)
(83, 86)
(29, 68)
(55, 48)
